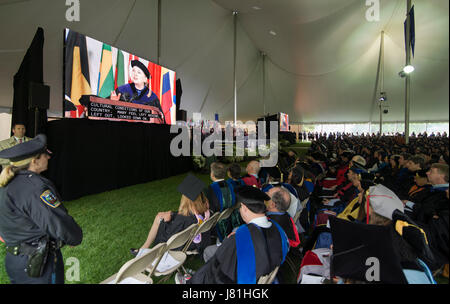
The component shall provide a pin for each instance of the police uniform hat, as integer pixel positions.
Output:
(249, 195)
(191, 187)
(18, 154)
(141, 66)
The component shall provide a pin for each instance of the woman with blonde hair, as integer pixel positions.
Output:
(194, 208)
(33, 223)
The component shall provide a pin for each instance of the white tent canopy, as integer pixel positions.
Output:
(320, 66)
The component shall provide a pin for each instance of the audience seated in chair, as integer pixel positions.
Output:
(221, 196)
(252, 177)
(194, 208)
(254, 250)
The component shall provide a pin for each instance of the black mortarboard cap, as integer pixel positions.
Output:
(141, 66)
(26, 150)
(249, 195)
(422, 173)
(274, 172)
(191, 187)
(355, 243)
(367, 176)
(317, 156)
(348, 154)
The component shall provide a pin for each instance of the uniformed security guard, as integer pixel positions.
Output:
(33, 223)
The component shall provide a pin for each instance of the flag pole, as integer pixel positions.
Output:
(407, 77)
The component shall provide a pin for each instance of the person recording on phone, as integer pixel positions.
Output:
(138, 91)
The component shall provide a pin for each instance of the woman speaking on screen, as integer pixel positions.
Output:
(138, 91)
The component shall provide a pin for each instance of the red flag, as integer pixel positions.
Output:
(155, 72)
(166, 101)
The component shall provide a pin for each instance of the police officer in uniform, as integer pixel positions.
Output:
(33, 223)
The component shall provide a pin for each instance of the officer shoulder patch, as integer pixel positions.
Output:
(50, 199)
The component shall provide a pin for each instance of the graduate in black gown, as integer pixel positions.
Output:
(194, 208)
(277, 211)
(254, 250)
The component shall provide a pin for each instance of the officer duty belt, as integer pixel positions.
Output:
(24, 249)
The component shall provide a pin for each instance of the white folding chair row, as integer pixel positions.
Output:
(177, 257)
(159, 261)
(136, 271)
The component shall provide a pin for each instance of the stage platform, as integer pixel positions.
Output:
(92, 156)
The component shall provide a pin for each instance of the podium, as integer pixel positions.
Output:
(107, 109)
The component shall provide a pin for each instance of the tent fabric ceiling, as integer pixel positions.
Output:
(320, 66)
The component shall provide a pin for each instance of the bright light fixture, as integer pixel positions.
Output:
(408, 69)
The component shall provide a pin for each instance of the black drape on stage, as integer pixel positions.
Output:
(31, 70)
(91, 156)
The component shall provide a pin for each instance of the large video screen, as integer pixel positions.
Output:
(284, 122)
(104, 82)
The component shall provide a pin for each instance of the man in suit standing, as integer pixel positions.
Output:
(18, 137)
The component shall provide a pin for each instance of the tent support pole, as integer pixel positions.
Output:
(159, 32)
(407, 78)
(235, 13)
(264, 82)
(377, 80)
(382, 80)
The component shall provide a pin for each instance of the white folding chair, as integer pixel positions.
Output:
(297, 215)
(172, 259)
(136, 271)
(226, 213)
(268, 278)
(203, 227)
(304, 202)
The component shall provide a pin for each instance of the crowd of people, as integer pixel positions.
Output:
(325, 214)
(353, 209)
(313, 136)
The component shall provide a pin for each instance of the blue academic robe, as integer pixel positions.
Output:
(130, 93)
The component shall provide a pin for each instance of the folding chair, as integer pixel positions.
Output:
(226, 213)
(203, 227)
(297, 215)
(136, 271)
(176, 257)
(268, 278)
(304, 202)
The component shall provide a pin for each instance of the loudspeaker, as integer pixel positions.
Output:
(181, 115)
(38, 96)
(179, 92)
